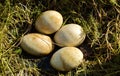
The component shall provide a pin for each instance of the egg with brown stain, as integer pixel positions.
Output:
(66, 58)
(37, 44)
(49, 22)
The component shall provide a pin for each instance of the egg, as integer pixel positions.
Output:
(66, 58)
(37, 44)
(70, 35)
(49, 22)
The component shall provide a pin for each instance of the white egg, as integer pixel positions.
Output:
(37, 44)
(70, 35)
(66, 58)
(49, 22)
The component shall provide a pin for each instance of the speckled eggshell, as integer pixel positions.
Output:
(49, 22)
(37, 44)
(66, 58)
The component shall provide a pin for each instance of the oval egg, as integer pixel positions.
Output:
(49, 22)
(66, 58)
(37, 44)
(70, 35)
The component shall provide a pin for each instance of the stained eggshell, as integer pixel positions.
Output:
(37, 44)
(49, 22)
(70, 35)
(66, 58)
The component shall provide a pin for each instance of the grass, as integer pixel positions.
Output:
(99, 18)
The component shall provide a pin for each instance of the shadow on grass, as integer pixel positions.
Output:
(108, 68)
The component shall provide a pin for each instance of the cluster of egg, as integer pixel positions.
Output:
(65, 36)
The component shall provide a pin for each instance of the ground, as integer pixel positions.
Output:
(99, 18)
